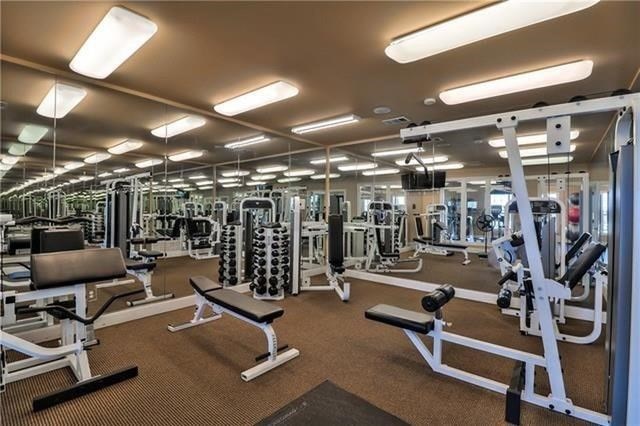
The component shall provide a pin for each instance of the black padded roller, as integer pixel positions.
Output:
(438, 298)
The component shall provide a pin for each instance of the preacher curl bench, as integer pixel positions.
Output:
(258, 313)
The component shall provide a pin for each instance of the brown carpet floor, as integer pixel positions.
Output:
(193, 376)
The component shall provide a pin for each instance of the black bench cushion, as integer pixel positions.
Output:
(403, 318)
(203, 284)
(150, 253)
(582, 264)
(451, 245)
(246, 306)
(76, 267)
(133, 265)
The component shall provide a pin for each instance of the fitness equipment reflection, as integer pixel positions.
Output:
(485, 224)
(438, 244)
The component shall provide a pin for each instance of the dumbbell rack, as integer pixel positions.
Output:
(229, 263)
(271, 262)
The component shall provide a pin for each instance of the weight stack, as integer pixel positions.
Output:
(271, 266)
(228, 265)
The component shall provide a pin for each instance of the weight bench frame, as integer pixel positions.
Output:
(274, 359)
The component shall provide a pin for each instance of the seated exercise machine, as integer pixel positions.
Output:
(258, 313)
(202, 236)
(59, 275)
(437, 245)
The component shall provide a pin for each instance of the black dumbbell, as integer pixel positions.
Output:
(261, 289)
(261, 271)
(275, 262)
(273, 291)
(273, 280)
(233, 280)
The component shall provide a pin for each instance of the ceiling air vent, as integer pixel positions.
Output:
(396, 120)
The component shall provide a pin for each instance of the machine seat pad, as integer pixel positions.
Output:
(133, 265)
(393, 255)
(143, 240)
(403, 318)
(150, 253)
(246, 306)
(451, 245)
(203, 284)
(422, 240)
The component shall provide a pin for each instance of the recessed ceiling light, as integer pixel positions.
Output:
(274, 92)
(263, 177)
(60, 100)
(357, 166)
(429, 101)
(97, 157)
(272, 169)
(187, 155)
(326, 124)
(394, 152)
(179, 126)
(246, 142)
(380, 172)
(289, 179)
(126, 146)
(73, 165)
(227, 180)
(425, 160)
(118, 36)
(478, 25)
(561, 159)
(448, 166)
(322, 176)
(381, 110)
(299, 172)
(529, 139)
(331, 160)
(545, 77)
(19, 149)
(121, 170)
(32, 133)
(149, 163)
(231, 185)
(235, 173)
(533, 152)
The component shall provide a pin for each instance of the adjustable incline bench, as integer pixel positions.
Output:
(58, 275)
(432, 246)
(255, 312)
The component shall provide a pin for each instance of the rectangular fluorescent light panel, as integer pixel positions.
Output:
(537, 79)
(255, 183)
(104, 174)
(547, 160)
(205, 188)
(357, 166)
(204, 182)
(272, 169)
(394, 152)
(179, 126)
(529, 139)
(331, 160)
(246, 142)
(533, 152)
(274, 92)
(19, 149)
(85, 178)
(32, 133)
(478, 25)
(231, 185)
(121, 170)
(126, 146)
(73, 165)
(299, 172)
(187, 155)
(289, 179)
(262, 177)
(380, 172)
(326, 124)
(235, 173)
(60, 100)
(196, 177)
(227, 180)
(331, 176)
(149, 163)
(448, 166)
(97, 157)
(10, 159)
(118, 36)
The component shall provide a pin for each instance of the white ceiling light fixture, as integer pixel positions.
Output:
(10, 159)
(126, 146)
(425, 160)
(289, 179)
(227, 180)
(187, 155)
(255, 183)
(59, 171)
(97, 158)
(381, 172)
(72, 181)
(478, 25)
(448, 166)
(272, 169)
(204, 182)
(357, 167)
(32, 133)
(274, 92)
(336, 159)
(331, 176)
(325, 124)
(247, 142)
(85, 178)
(149, 163)
(118, 36)
(235, 173)
(60, 100)
(529, 139)
(547, 160)
(19, 149)
(180, 185)
(205, 188)
(175, 180)
(121, 170)
(196, 177)
(181, 125)
(5, 167)
(73, 165)
(537, 79)
(104, 174)
(533, 152)
(231, 185)
(263, 177)
(299, 172)
(393, 152)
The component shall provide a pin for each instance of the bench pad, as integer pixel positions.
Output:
(246, 306)
(403, 318)
(203, 285)
(133, 265)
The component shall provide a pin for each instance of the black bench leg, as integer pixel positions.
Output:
(512, 405)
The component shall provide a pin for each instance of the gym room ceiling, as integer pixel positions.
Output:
(333, 52)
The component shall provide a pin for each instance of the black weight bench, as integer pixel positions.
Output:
(258, 313)
(403, 318)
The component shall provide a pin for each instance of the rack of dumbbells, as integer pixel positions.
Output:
(228, 266)
(271, 267)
